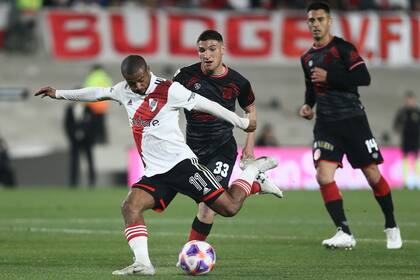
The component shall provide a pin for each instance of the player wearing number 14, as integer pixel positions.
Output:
(333, 71)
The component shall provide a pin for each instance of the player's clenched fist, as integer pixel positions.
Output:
(252, 126)
(306, 112)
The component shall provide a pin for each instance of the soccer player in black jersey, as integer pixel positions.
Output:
(407, 123)
(333, 70)
(209, 137)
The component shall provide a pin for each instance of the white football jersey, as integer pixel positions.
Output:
(154, 120)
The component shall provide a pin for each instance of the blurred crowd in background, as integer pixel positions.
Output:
(230, 4)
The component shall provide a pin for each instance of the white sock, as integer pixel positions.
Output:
(137, 239)
(246, 178)
(249, 174)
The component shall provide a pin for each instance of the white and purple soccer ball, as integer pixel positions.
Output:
(197, 257)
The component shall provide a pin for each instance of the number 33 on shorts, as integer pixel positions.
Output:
(221, 169)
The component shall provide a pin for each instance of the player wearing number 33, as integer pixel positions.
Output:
(211, 138)
(333, 71)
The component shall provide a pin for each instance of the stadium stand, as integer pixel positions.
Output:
(25, 123)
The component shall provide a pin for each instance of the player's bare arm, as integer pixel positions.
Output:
(248, 150)
(46, 91)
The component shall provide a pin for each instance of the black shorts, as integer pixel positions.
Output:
(351, 137)
(187, 177)
(410, 144)
(222, 161)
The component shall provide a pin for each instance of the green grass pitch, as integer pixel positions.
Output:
(77, 234)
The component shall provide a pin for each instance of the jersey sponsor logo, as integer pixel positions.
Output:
(139, 122)
(324, 145)
(153, 104)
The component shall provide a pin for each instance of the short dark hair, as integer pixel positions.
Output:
(132, 63)
(210, 35)
(409, 93)
(318, 6)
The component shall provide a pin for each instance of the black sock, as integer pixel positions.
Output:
(201, 227)
(336, 211)
(388, 209)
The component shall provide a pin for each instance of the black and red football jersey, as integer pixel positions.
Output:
(205, 132)
(333, 102)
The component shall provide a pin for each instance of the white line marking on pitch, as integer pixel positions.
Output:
(215, 235)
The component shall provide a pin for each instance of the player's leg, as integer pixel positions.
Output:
(202, 224)
(383, 196)
(136, 232)
(230, 202)
(327, 156)
(149, 193)
(363, 152)
(333, 202)
(221, 164)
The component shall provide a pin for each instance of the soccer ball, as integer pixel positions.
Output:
(197, 257)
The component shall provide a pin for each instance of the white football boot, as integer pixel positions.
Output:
(340, 240)
(268, 186)
(136, 268)
(393, 238)
(262, 163)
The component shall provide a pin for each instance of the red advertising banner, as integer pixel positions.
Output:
(273, 38)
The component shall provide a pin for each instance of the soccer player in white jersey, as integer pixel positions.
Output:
(153, 106)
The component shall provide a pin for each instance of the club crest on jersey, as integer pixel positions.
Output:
(153, 104)
(310, 63)
(197, 86)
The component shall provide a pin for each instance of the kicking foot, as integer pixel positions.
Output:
(268, 186)
(340, 240)
(393, 238)
(136, 268)
(262, 163)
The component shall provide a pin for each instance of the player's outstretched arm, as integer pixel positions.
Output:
(205, 105)
(46, 91)
(89, 94)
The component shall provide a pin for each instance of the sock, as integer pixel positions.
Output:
(137, 235)
(383, 196)
(256, 187)
(199, 230)
(246, 179)
(243, 185)
(334, 203)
